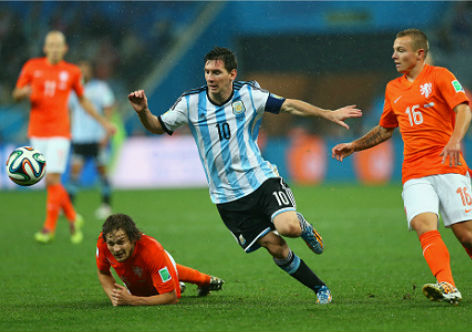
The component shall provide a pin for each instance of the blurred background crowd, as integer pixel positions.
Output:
(327, 53)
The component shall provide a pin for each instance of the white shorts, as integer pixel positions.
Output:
(448, 194)
(55, 150)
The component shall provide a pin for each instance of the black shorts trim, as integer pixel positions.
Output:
(86, 150)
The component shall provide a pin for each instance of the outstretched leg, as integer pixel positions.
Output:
(288, 261)
(463, 232)
(205, 282)
(293, 224)
(437, 256)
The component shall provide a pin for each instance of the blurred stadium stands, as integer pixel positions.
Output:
(327, 53)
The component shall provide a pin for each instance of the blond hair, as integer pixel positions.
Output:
(418, 37)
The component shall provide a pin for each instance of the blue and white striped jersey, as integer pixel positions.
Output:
(86, 129)
(226, 137)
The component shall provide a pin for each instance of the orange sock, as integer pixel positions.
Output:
(53, 206)
(187, 274)
(437, 256)
(66, 204)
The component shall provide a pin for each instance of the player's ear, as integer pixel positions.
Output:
(421, 54)
(233, 73)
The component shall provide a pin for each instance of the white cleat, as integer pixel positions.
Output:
(442, 291)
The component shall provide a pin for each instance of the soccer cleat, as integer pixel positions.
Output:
(103, 211)
(77, 236)
(183, 287)
(323, 295)
(442, 291)
(215, 285)
(44, 237)
(311, 237)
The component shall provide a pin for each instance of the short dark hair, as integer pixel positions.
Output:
(224, 54)
(418, 37)
(124, 222)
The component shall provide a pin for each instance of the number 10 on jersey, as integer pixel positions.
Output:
(224, 131)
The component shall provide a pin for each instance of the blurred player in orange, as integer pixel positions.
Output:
(149, 272)
(47, 83)
(433, 112)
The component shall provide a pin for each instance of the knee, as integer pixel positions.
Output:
(277, 249)
(53, 178)
(465, 238)
(289, 226)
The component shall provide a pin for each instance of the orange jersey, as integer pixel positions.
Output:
(423, 110)
(51, 86)
(148, 271)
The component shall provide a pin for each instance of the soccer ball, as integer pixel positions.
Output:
(26, 166)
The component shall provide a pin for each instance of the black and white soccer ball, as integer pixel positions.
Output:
(26, 166)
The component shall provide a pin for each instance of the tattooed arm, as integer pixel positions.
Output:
(375, 136)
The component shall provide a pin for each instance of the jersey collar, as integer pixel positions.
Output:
(211, 101)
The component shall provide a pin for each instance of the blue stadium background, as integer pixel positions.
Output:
(327, 53)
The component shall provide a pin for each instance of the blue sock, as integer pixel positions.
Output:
(297, 268)
(72, 188)
(106, 190)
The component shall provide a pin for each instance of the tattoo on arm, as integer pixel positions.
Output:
(374, 137)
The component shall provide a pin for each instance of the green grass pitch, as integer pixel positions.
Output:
(372, 264)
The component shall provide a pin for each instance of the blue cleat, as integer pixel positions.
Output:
(323, 295)
(311, 237)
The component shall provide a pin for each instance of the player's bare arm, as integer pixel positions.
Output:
(92, 111)
(121, 296)
(374, 137)
(452, 149)
(108, 112)
(298, 107)
(21, 93)
(138, 101)
(107, 281)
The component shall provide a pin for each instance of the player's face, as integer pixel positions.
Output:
(404, 56)
(86, 70)
(119, 245)
(219, 80)
(55, 47)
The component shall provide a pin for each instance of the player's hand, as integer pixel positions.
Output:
(138, 100)
(104, 141)
(338, 116)
(340, 151)
(110, 129)
(23, 93)
(452, 150)
(120, 296)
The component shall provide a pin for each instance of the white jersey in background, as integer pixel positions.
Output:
(226, 137)
(86, 129)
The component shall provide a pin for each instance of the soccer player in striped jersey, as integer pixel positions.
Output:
(89, 140)
(253, 200)
(433, 113)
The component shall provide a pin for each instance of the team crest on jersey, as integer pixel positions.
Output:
(238, 107)
(63, 76)
(138, 271)
(426, 89)
(457, 86)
